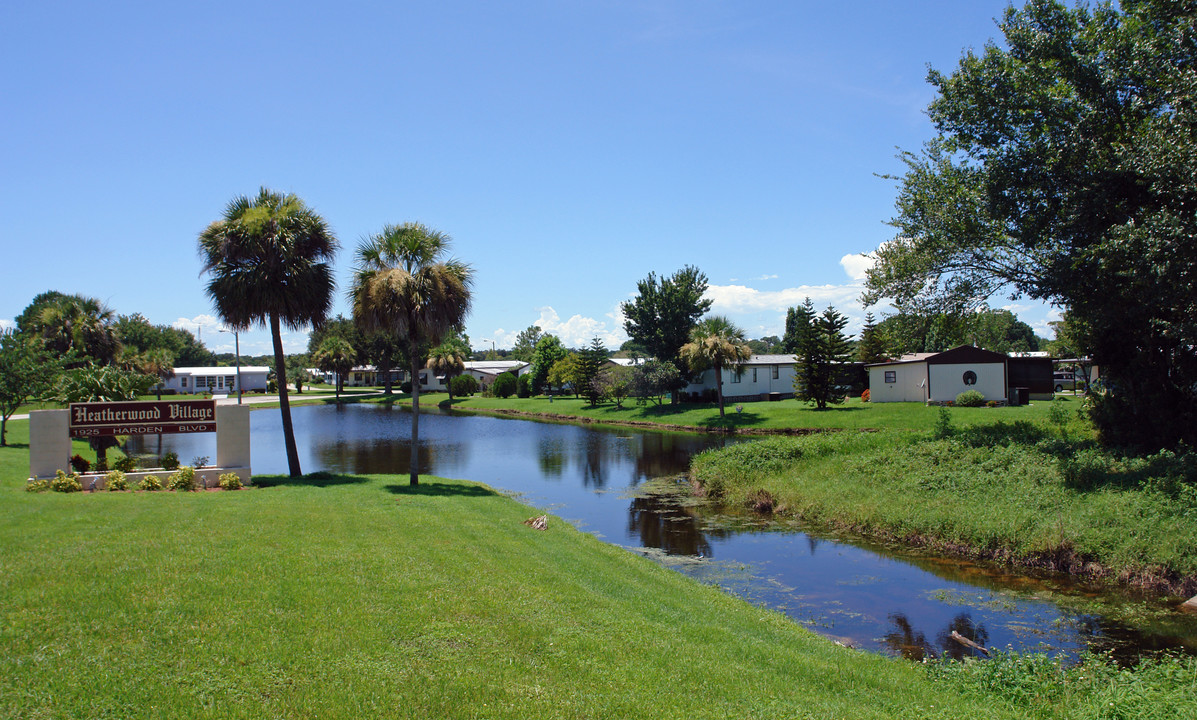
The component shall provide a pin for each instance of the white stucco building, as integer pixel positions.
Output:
(217, 380)
(939, 377)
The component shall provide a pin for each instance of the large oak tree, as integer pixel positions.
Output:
(1063, 170)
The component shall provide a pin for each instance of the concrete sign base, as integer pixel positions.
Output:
(50, 445)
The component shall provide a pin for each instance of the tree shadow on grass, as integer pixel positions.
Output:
(435, 489)
(316, 479)
(732, 419)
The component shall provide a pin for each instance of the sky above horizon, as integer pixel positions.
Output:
(568, 148)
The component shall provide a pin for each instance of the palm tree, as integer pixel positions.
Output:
(448, 360)
(403, 288)
(336, 355)
(80, 325)
(158, 362)
(268, 258)
(714, 343)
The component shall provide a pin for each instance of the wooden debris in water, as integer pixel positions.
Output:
(965, 641)
(538, 523)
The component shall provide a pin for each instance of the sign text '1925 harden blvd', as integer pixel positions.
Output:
(151, 417)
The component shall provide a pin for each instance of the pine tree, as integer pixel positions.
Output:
(590, 362)
(799, 321)
(871, 348)
(821, 357)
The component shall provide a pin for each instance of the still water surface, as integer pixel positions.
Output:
(614, 483)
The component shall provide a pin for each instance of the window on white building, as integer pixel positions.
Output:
(891, 376)
(775, 372)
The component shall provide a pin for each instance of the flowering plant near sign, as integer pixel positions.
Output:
(151, 417)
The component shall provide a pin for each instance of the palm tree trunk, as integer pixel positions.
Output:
(384, 367)
(284, 403)
(414, 467)
(719, 386)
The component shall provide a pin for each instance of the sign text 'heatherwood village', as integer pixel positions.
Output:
(151, 417)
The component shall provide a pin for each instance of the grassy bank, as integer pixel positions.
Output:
(357, 596)
(754, 417)
(1012, 491)
(348, 596)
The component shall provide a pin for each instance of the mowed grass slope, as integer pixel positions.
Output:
(766, 416)
(346, 596)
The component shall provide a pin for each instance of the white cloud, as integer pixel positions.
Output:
(733, 299)
(577, 331)
(767, 277)
(855, 265)
(200, 324)
(7, 324)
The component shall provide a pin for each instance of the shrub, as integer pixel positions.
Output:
(80, 463)
(943, 424)
(101, 465)
(230, 481)
(38, 485)
(864, 396)
(170, 461)
(150, 483)
(970, 398)
(125, 464)
(992, 403)
(116, 480)
(504, 385)
(199, 461)
(405, 387)
(463, 385)
(182, 479)
(66, 483)
(523, 386)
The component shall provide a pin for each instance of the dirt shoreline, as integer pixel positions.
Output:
(645, 424)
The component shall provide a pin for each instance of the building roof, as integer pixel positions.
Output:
(494, 365)
(214, 371)
(627, 362)
(959, 354)
(771, 360)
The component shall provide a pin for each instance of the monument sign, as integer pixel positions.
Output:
(152, 417)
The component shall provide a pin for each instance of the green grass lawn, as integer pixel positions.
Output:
(348, 596)
(358, 596)
(852, 415)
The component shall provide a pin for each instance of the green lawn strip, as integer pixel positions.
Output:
(348, 596)
(765, 416)
(992, 498)
(351, 596)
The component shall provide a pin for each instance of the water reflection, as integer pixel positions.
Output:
(662, 525)
(879, 598)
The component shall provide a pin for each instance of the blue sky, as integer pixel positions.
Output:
(569, 148)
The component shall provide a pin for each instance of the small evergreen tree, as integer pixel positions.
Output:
(825, 350)
(590, 362)
(871, 348)
(799, 321)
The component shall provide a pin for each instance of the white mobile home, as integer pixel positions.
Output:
(217, 380)
(761, 377)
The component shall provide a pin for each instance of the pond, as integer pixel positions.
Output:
(626, 487)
